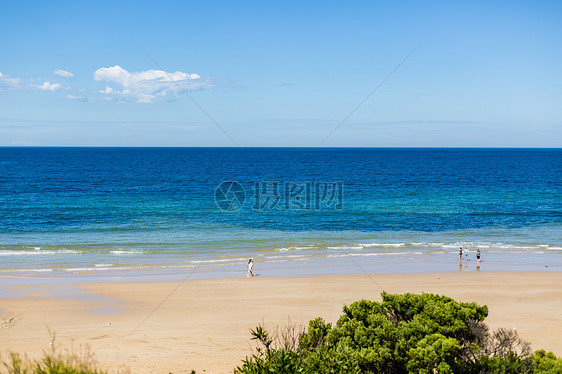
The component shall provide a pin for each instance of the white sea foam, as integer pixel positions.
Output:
(96, 268)
(382, 245)
(79, 269)
(287, 256)
(346, 247)
(218, 260)
(25, 270)
(386, 254)
(433, 245)
(43, 252)
(481, 245)
(514, 252)
(503, 245)
(127, 252)
(284, 249)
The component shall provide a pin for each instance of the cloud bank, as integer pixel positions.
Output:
(145, 86)
(120, 84)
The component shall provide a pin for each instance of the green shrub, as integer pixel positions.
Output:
(53, 363)
(546, 363)
(407, 333)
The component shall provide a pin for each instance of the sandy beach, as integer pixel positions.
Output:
(204, 325)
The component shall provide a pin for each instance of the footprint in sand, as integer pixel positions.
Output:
(7, 323)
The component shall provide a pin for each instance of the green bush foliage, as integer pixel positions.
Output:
(546, 362)
(406, 333)
(52, 363)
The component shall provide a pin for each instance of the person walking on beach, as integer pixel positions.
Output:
(460, 253)
(478, 254)
(466, 254)
(250, 268)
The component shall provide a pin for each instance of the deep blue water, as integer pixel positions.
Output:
(85, 206)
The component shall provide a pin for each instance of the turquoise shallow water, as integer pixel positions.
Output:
(111, 209)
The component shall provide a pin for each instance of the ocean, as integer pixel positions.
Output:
(102, 210)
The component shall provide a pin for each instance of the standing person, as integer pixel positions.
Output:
(466, 254)
(460, 253)
(250, 268)
(478, 254)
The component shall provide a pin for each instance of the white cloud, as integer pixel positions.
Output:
(64, 73)
(47, 86)
(8, 82)
(27, 83)
(145, 86)
(86, 99)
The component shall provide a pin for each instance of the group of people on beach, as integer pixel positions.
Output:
(466, 251)
(462, 251)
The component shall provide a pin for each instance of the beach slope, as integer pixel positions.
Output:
(204, 324)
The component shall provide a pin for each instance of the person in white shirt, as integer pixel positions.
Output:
(250, 267)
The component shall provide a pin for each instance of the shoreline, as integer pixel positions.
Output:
(500, 249)
(287, 266)
(204, 324)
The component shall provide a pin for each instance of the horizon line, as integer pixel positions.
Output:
(279, 147)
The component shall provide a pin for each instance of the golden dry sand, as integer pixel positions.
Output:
(205, 324)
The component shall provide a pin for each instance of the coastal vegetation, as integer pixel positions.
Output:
(51, 363)
(78, 360)
(407, 333)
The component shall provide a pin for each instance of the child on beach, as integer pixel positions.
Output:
(250, 267)
(478, 254)
(460, 253)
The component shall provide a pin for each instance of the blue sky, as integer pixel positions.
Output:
(281, 74)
